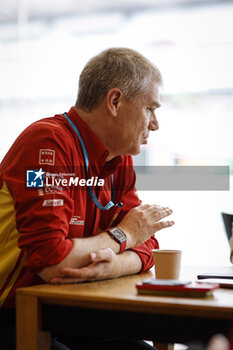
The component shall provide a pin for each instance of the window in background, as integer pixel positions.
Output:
(42, 54)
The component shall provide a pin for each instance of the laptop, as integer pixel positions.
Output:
(226, 278)
(228, 221)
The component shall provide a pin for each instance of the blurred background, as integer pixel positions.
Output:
(44, 46)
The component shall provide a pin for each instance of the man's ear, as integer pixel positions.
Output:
(113, 101)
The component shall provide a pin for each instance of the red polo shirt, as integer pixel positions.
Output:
(37, 224)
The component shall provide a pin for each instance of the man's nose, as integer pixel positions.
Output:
(154, 124)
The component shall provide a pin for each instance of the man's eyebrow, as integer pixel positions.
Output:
(156, 104)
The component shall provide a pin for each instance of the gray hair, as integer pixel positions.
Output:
(121, 68)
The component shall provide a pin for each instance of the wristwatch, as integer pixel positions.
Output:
(119, 236)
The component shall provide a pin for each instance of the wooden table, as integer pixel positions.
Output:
(106, 308)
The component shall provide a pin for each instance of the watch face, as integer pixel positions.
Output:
(118, 234)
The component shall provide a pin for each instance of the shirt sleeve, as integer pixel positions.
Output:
(145, 253)
(42, 214)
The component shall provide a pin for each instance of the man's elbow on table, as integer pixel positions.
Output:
(73, 259)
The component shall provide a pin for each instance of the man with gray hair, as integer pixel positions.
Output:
(65, 225)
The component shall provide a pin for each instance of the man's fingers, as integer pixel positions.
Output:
(71, 275)
(163, 224)
(84, 273)
(154, 208)
(102, 255)
(162, 214)
(157, 210)
(71, 272)
(149, 207)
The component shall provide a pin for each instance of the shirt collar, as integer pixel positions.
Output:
(96, 150)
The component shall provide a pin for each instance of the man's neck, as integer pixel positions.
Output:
(95, 120)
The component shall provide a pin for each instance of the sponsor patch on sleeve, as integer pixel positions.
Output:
(76, 220)
(53, 203)
(47, 156)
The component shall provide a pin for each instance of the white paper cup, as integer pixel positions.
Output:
(167, 263)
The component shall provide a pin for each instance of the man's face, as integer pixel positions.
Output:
(137, 119)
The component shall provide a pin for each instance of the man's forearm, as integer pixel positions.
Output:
(79, 255)
(105, 264)
(129, 263)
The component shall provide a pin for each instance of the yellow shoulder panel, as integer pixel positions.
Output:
(9, 251)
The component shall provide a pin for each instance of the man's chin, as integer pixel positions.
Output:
(132, 152)
(136, 152)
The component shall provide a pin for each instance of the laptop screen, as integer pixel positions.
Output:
(228, 220)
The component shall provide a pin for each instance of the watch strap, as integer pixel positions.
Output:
(122, 247)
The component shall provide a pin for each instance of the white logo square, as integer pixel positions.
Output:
(47, 156)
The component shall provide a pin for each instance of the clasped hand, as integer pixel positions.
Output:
(103, 266)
